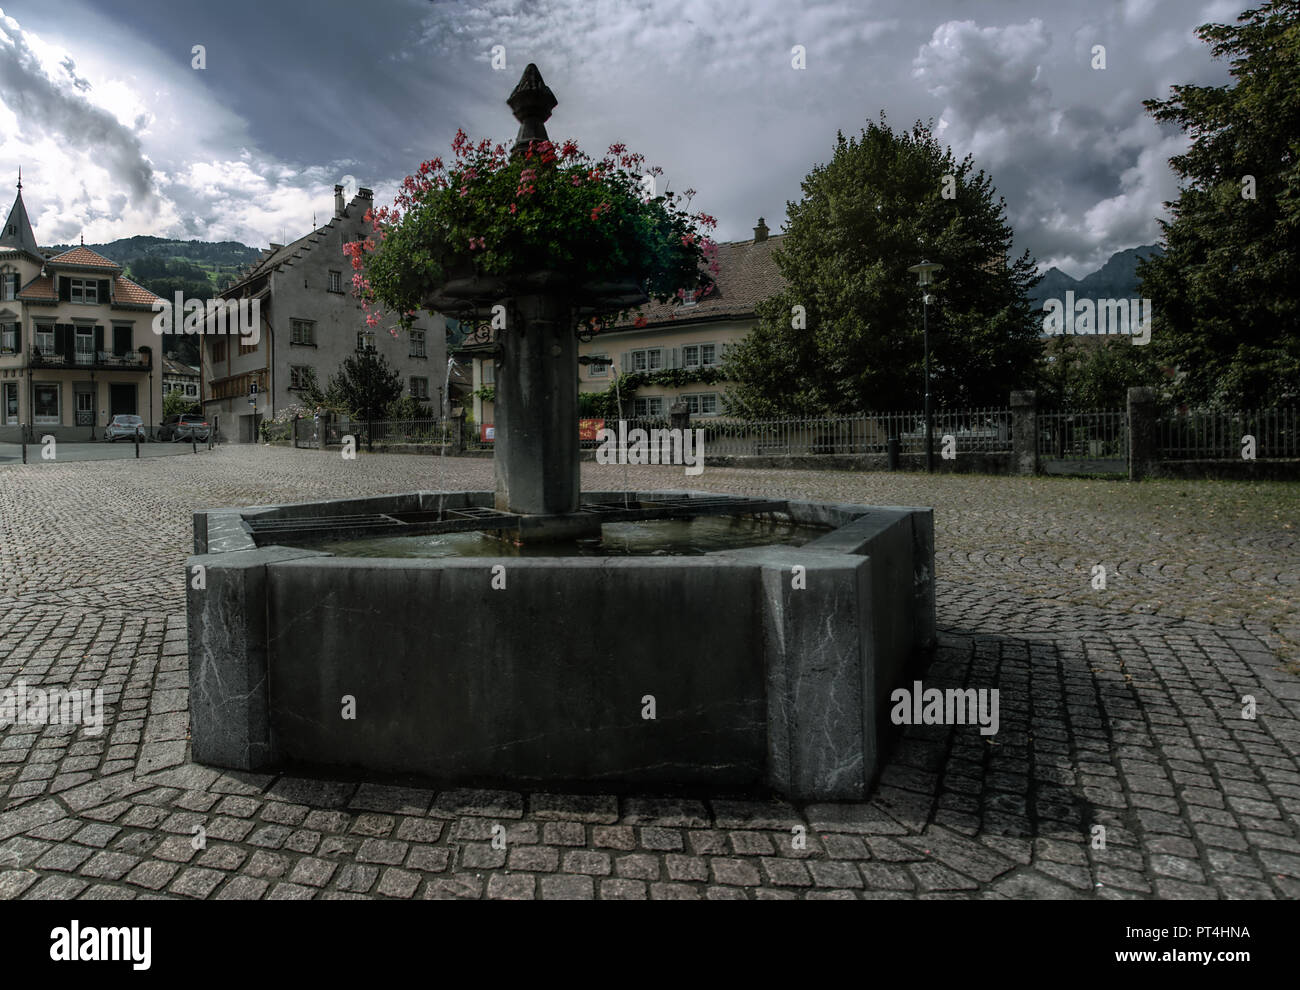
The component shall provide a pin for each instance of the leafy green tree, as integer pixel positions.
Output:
(175, 404)
(1095, 372)
(883, 203)
(1227, 310)
(365, 384)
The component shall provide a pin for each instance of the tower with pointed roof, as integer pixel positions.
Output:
(76, 341)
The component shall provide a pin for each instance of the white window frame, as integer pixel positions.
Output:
(653, 406)
(335, 281)
(9, 337)
(419, 387)
(648, 359)
(9, 286)
(45, 339)
(417, 337)
(716, 403)
(57, 418)
(84, 291)
(598, 370)
(86, 356)
(10, 387)
(298, 375)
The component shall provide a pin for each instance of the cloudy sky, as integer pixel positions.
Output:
(118, 134)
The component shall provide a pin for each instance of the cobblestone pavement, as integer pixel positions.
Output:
(1119, 707)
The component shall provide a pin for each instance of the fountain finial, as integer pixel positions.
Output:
(531, 102)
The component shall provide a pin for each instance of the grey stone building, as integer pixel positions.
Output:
(309, 320)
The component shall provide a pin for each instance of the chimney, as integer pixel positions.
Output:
(760, 232)
(338, 202)
(364, 193)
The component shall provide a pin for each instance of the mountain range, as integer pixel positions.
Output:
(1116, 279)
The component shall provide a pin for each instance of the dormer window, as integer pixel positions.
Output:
(85, 290)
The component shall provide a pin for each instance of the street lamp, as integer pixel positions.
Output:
(924, 276)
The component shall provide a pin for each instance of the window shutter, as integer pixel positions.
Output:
(18, 337)
(103, 293)
(625, 361)
(674, 357)
(99, 341)
(65, 289)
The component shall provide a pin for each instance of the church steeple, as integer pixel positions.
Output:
(17, 230)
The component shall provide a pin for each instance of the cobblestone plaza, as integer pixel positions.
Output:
(1121, 707)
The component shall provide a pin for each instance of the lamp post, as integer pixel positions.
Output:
(924, 276)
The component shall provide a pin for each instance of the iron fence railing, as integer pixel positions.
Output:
(1227, 434)
(868, 433)
(1083, 435)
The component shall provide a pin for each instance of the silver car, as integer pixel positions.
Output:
(125, 427)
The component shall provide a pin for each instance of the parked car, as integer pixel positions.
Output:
(125, 427)
(187, 426)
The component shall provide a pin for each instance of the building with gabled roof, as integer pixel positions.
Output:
(76, 340)
(310, 323)
(689, 336)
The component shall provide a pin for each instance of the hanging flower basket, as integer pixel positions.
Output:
(492, 225)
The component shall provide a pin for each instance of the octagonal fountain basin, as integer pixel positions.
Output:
(652, 639)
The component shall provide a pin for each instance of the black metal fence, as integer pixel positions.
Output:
(1228, 434)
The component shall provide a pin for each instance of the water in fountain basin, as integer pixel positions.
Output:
(661, 537)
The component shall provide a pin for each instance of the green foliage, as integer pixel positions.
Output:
(865, 217)
(176, 404)
(408, 407)
(487, 393)
(604, 405)
(1227, 313)
(1095, 372)
(365, 385)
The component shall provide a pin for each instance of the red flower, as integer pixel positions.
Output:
(640, 321)
(513, 208)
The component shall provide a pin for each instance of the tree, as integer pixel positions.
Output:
(175, 404)
(365, 384)
(1094, 372)
(1224, 292)
(883, 203)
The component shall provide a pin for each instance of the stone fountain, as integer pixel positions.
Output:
(755, 668)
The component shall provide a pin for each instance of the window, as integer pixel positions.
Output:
(45, 340)
(85, 290)
(702, 405)
(45, 398)
(598, 370)
(651, 359)
(699, 356)
(417, 344)
(8, 337)
(419, 388)
(247, 348)
(302, 332)
(85, 345)
(191, 390)
(9, 285)
(336, 281)
(648, 407)
(688, 299)
(218, 350)
(299, 375)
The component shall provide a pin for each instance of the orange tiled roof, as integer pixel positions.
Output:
(129, 293)
(39, 288)
(84, 258)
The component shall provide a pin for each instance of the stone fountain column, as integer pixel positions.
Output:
(536, 458)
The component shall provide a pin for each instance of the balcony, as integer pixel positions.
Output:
(102, 361)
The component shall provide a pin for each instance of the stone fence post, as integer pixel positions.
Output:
(1024, 432)
(1141, 432)
(457, 424)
